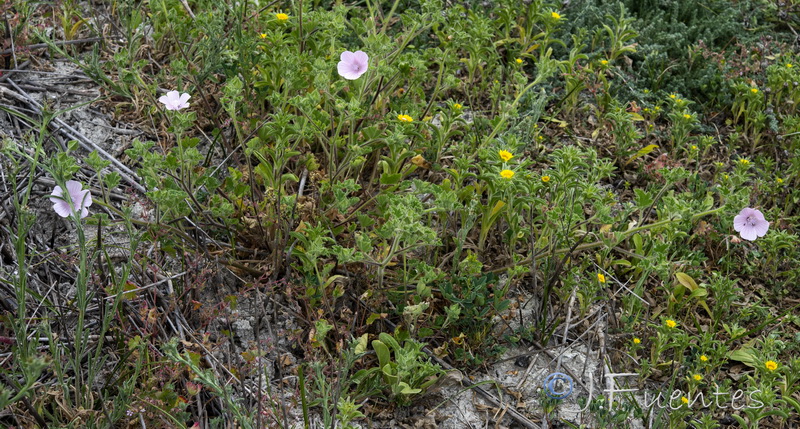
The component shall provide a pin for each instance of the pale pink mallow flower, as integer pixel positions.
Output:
(750, 223)
(175, 101)
(353, 64)
(80, 200)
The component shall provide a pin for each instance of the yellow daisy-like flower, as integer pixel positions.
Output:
(646, 91)
(679, 100)
(704, 358)
(405, 118)
(637, 341)
(726, 177)
(457, 106)
(694, 147)
(282, 16)
(687, 116)
(555, 15)
(789, 65)
(671, 323)
(744, 161)
(263, 35)
(672, 96)
(545, 179)
(697, 377)
(518, 60)
(754, 90)
(604, 62)
(507, 174)
(505, 155)
(684, 399)
(779, 180)
(601, 278)
(771, 365)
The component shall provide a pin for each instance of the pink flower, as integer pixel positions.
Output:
(175, 101)
(353, 64)
(750, 224)
(83, 199)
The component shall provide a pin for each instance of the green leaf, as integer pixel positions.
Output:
(390, 179)
(746, 354)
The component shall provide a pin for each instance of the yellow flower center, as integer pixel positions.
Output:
(771, 365)
(545, 179)
(405, 118)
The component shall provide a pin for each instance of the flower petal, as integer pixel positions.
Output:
(361, 57)
(761, 228)
(185, 97)
(749, 233)
(346, 71)
(62, 208)
(74, 188)
(58, 194)
(347, 56)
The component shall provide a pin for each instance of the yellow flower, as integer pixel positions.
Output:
(505, 155)
(744, 161)
(779, 180)
(687, 116)
(684, 399)
(601, 278)
(646, 91)
(282, 16)
(679, 101)
(518, 60)
(789, 65)
(507, 174)
(405, 118)
(555, 15)
(697, 377)
(672, 96)
(545, 179)
(604, 62)
(694, 147)
(671, 323)
(457, 106)
(637, 341)
(540, 137)
(725, 176)
(771, 365)
(263, 35)
(754, 90)
(704, 358)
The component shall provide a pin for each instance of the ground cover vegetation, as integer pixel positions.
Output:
(417, 185)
